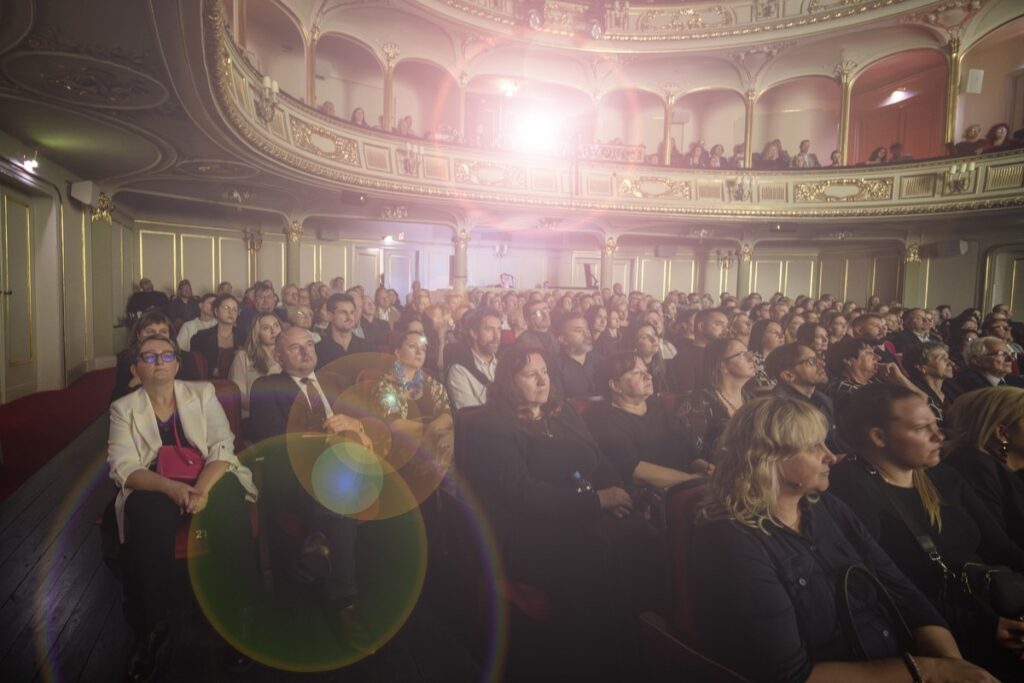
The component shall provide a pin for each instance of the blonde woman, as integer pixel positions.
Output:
(768, 546)
(894, 477)
(988, 439)
(257, 358)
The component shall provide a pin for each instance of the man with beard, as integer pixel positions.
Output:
(870, 329)
(800, 373)
(575, 365)
(471, 364)
(686, 367)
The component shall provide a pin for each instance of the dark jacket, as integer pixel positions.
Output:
(972, 379)
(205, 342)
(998, 488)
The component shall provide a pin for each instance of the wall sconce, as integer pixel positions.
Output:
(959, 177)
(725, 258)
(500, 250)
(266, 100)
(253, 239)
(28, 163)
(548, 223)
(740, 189)
(103, 209)
(746, 253)
(913, 253)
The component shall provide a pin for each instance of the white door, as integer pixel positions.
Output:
(366, 268)
(17, 342)
(399, 270)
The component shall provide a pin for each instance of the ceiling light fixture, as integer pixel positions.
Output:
(30, 164)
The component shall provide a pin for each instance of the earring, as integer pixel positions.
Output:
(1004, 448)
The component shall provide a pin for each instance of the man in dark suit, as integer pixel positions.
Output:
(916, 330)
(870, 329)
(294, 402)
(990, 363)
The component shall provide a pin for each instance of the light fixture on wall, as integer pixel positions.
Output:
(959, 177)
(913, 253)
(725, 258)
(511, 87)
(266, 100)
(841, 235)
(28, 163)
(253, 239)
(500, 250)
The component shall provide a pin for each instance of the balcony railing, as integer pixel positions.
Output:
(302, 140)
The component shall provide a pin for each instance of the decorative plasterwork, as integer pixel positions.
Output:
(322, 142)
(487, 178)
(218, 169)
(46, 40)
(753, 61)
(84, 80)
(845, 190)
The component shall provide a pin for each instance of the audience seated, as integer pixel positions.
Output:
(988, 450)
(765, 557)
(599, 321)
(765, 336)
(930, 369)
(145, 299)
(264, 301)
(205, 320)
(538, 329)
(560, 515)
(989, 362)
(151, 324)
(575, 365)
(471, 364)
(644, 342)
(799, 373)
(218, 343)
(377, 332)
(805, 158)
(918, 509)
(685, 368)
(184, 306)
(972, 142)
(870, 328)
(340, 341)
(727, 367)
(645, 444)
(256, 358)
(148, 430)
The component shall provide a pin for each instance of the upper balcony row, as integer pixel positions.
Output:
(302, 140)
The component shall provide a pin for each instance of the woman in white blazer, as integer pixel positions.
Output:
(149, 506)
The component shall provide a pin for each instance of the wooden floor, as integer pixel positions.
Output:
(60, 607)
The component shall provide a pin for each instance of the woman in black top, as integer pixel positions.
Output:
(219, 343)
(766, 555)
(728, 367)
(988, 439)
(930, 369)
(644, 341)
(560, 516)
(597, 320)
(184, 305)
(635, 433)
(898, 442)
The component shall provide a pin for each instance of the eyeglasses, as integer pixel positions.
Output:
(741, 354)
(810, 361)
(150, 358)
(1002, 355)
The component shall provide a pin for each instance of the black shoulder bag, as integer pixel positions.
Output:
(995, 587)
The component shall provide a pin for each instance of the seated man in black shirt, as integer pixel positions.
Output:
(340, 341)
(145, 299)
(634, 431)
(575, 364)
(800, 373)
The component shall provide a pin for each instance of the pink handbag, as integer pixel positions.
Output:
(177, 462)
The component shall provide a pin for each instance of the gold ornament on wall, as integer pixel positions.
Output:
(103, 209)
(746, 253)
(293, 232)
(913, 253)
(611, 245)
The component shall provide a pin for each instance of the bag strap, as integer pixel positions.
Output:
(903, 632)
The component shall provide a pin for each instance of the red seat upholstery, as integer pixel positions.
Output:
(671, 401)
(200, 361)
(230, 398)
(582, 405)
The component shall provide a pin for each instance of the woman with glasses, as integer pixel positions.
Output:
(930, 369)
(147, 427)
(765, 336)
(152, 324)
(257, 357)
(728, 366)
(836, 324)
(218, 343)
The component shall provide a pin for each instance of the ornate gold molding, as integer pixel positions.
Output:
(490, 174)
(611, 245)
(845, 190)
(293, 233)
(305, 135)
(644, 187)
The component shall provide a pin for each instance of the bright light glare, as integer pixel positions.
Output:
(536, 131)
(897, 95)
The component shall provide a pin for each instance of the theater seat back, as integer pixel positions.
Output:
(230, 399)
(681, 503)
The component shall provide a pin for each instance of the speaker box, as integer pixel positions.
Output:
(945, 249)
(86, 192)
(665, 250)
(973, 80)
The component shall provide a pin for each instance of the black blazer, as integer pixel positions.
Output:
(996, 486)
(972, 380)
(205, 342)
(272, 400)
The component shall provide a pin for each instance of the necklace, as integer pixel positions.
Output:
(726, 401)
(413, 386)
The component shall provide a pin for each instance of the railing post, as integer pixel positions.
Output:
(748, 131)
(954, 57)
(311, 67)
(844, 74)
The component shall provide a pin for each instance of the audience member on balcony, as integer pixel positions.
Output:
(879, 155)
(989, 364)
(997, 139)
(805, 158)
(897, 155)
(686, 368)
(931, 370)
(697, 157)
(987, 429)
(634, 431)
(153, 323)
(184, 305)
(717, 157)
(835, 159)
(218, 343)
(768, 512)
(149, 506)
(675, 156)
(145, 299)
(895, 476)
(327, 108)
(643, 340)
(972, 143)
(737, 160)
(728, 367)
(358, 118)
(404, 127)
(204, 321)
(256, 359)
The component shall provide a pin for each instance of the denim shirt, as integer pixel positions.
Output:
(765, 603)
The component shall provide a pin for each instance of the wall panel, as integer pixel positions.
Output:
(198, 262)
(767, 276)
(682, 274)
(653, 276)
(270, 263)
(233, 263)
(798, 277)
(333, 262)
(309, 255)
(158, 258)
(857, 279)
(887, 277)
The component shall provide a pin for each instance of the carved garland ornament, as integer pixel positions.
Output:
(345, 150)
(216, 44)
(490, 175)
(642, 188)
(845, 190)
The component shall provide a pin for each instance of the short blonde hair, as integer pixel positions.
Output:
(764, 432)
(975, 415)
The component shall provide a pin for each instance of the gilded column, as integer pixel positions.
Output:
(314, 38)
(611, 245)
(748, 133)
(460, 261)
(743, 270)
(844, 74)
(391, 52)
(954, 57)
(238, 23)
(293, 252)
(671, 91)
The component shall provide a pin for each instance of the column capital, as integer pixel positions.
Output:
(461, 238)
(293, 231)
(611, 245)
